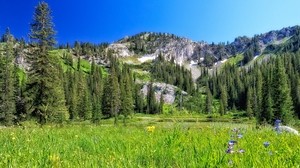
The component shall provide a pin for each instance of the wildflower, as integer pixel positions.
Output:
(229, 151)
(240, 136)
(232, 142)
(277, 125)
(76, 136)
(54, 159)
(241, 151)
(150, 129)
(266, 144)
(13, 138)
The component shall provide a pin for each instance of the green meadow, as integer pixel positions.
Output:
(147, 142)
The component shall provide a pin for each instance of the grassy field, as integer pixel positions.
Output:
(147, 142)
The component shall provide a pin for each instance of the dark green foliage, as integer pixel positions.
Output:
(45, 96)
(7, 83)
(250, 102)
(161, 103)
(96, 87)
(248, 56)
(172, 73)
(208, 101)
(223, 101)
(152, 105)
(139, 100)
(267, 91)
(127, 103)
(111, 97)
(283, 105)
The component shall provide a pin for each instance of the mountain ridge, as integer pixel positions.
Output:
(182, 49)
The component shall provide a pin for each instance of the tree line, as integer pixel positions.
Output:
(266, 90)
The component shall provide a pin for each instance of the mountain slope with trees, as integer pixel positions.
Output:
(91, 82)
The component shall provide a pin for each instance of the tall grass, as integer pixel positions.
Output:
(167, 145)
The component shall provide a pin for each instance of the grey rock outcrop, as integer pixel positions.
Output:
(169, 92)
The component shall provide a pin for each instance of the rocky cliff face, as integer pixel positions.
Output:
(168, 91)
(184, 50)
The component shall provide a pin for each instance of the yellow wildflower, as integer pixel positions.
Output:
(150, 128)
(54, 160)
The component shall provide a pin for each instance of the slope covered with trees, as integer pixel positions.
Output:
(85, 81)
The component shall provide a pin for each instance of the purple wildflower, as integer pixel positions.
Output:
(229, 150)
(231, 142)
(266, 144)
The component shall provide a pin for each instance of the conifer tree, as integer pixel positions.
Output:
(7, 82)
(139, 100)
(96, 87)
(249, 104)
(71, 93)
(281, 93)
(111, 97)
(161, 103)
(126, 94)
(259, 94)
(224, 100)
(208, 101)
(151, 101)
(44, 89)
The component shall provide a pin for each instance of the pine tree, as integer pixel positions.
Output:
(111, 97)
(96, 92)
(126, 94)
(7, 76)
(71, 93)
(249, 109)
(139, 99)
(83, 102)
(161, 103)
(151, 101)
(44, 89)
(208, 101)
(221, 108)
(224, 99)
(259, 94)
(283, 105)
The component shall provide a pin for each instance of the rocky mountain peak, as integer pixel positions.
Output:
(184, 51)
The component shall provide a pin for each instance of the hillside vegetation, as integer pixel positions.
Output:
(255, 78)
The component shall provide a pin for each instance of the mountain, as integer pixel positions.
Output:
(183, 50)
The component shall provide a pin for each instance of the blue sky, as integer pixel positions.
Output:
(109, 20)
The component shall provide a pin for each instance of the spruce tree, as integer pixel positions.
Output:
(151, 101)
(208, 101)
(44, 89)
(7, 76)
(224, 99)
(249, 104)
(96, 87)
(283, 105)
(259, 94)
(126, 94)
(161, 103)
(139, 99)
(111, 97)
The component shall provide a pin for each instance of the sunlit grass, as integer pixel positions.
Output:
(175, 144)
